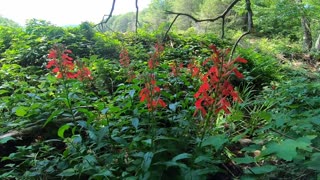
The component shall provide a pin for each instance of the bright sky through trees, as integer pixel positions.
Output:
(65, 12)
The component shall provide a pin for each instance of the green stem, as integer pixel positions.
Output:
(68, 99)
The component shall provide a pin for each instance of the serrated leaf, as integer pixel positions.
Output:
(62, 129)
(215, 141)
(135, 122)
(147, 159)
(181, 156)
(285, 150)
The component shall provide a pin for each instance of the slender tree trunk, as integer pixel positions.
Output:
(307, 36)
(317, 45)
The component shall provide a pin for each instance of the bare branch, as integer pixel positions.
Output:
(250, 27)
(222, 16)
(105, 21)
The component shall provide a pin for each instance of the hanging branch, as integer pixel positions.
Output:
(104, 21)
(250, 27)
(222, 16)
(137, 14)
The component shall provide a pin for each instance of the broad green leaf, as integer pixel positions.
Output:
(173, 107)
(2, 91)
(104, 111)
(103, 173)
(147, 158)
(202, 159)
(6, 139)
(135, 122)
(285, 150)
(181, 156)
(131, 93)
(244, 160)
(21, 111)
(120, 140)
(77, 138)
(68, 172)
(314, 163)
(215, 141)
(261, 170)
(62, 129)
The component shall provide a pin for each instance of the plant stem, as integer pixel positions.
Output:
(68, 99)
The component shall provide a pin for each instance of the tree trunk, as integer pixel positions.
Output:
(307, 36)
(317, 45)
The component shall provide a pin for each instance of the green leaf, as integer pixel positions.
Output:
(261, 170)
(182, 156)
(215, 141)
(6, 139)
(285, 150)
(203, 159)
(135, 122)
(244, 160)
(3, 91)
(104, 111)
(314, 163)
(62, 129)
(53, 115)
(173, 107)
(21, 111)
(131, 93)
(68, 172)
(147, 158)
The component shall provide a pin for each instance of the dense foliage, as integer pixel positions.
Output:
(80, 104)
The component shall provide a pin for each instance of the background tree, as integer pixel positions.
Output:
(191, 7)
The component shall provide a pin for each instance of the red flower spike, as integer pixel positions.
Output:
(52, 54)
(64, 66)
(215, 83)
(237, 73)
(241, 60)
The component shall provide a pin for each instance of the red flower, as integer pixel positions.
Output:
(52, 54)
(64, 65)
(215, 90)
(124, 58)
(150, 94)
(241, 60)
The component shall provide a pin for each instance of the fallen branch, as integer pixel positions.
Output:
(35, 128)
